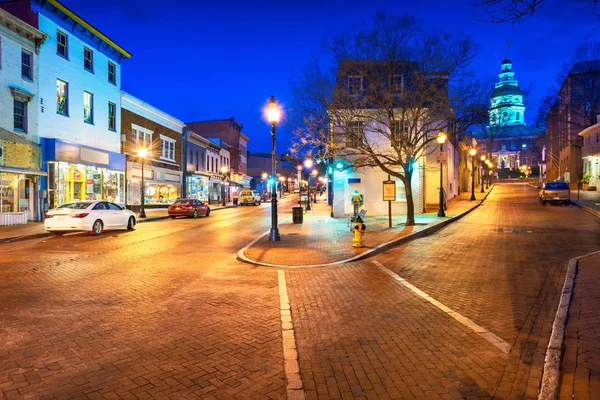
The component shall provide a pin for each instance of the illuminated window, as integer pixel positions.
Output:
(88, 59)
(62, 97)
(112, 73)
(61, 44)
(588, 109)
(112, 116)
(88, 107)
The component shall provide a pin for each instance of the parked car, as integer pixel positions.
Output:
(89, 216)
(188, 208)
(555, 192)
(250, 197)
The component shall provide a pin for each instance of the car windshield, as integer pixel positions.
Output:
(557, 186)
(75, 206)
(181, 202)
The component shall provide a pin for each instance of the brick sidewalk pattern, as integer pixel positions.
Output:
(321, 239)
(580, 375)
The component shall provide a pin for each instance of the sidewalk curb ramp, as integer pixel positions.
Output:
(375, 250)
(549, 389)
(45, 234)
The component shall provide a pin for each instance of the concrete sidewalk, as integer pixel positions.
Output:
(321, 239)
(588, 200)
(580, 375)
(33, 230)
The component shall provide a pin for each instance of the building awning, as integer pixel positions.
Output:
(24, 171)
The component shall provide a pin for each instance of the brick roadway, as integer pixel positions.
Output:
(580, 375)
(162, 311)
(503, 266)
(321, 239)
(166, 311)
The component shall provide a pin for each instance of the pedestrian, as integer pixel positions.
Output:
(356, 201)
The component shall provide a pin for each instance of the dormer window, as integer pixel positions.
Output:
(355, 85)
(397, 84)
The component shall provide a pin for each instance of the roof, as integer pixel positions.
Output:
(506, 90)
(89, 27)
(506, 61)
(582, 67)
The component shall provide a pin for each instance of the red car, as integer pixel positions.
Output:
(188, 208)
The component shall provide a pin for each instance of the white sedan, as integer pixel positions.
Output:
(89, 216)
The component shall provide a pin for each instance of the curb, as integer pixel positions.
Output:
(377, 249)
(44, 234)
(585, 208)
(553, 362)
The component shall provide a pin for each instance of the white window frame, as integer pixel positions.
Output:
(146, 134)
(167, 146)
(360, 90)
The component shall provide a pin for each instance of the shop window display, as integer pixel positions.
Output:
(14, 193)
(156, 193)
(70, 182)
(198, 188)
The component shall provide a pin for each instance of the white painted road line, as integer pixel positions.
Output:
(481, 331)
(295, 389)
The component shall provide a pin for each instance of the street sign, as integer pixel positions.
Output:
(389, 190)
(441, 157)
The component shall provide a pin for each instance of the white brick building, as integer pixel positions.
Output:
(20, 168)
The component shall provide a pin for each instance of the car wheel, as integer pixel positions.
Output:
(131, 224)
(259, 203)
(568, 202)
(543, 203)
(97, 227)
(59, 233)
(173, 217)
(207, 212)
(195, 214)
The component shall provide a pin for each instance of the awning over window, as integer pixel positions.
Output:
(24, 171)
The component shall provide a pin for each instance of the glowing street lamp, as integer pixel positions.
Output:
(441, 139)
(273, 114)
(473, 152)
(142, 154)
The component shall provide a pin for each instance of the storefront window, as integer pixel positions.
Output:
(156, 193)
(198, 188)
(14, 193)
(71, 182)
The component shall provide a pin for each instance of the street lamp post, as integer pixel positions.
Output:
(472, 152)
(481, 172)
(489, 173)
(273, 114)
(441, 139)
(315, 173)
(224, 170)
(142, 153)
(308, 163)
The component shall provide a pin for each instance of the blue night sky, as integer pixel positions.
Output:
(199, 60)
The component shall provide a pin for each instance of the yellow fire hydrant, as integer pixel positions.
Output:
(359, 229)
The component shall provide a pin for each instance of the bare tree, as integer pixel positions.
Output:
(515, 11)
(394, 89)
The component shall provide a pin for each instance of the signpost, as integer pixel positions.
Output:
(389, 195)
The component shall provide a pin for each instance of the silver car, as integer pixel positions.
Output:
(555, 192)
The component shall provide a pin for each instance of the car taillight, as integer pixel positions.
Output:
(543, 192)
(49, 216)
(79, 215)
(190, 208)
(569, 191)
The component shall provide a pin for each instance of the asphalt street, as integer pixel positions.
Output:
(167, 311)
